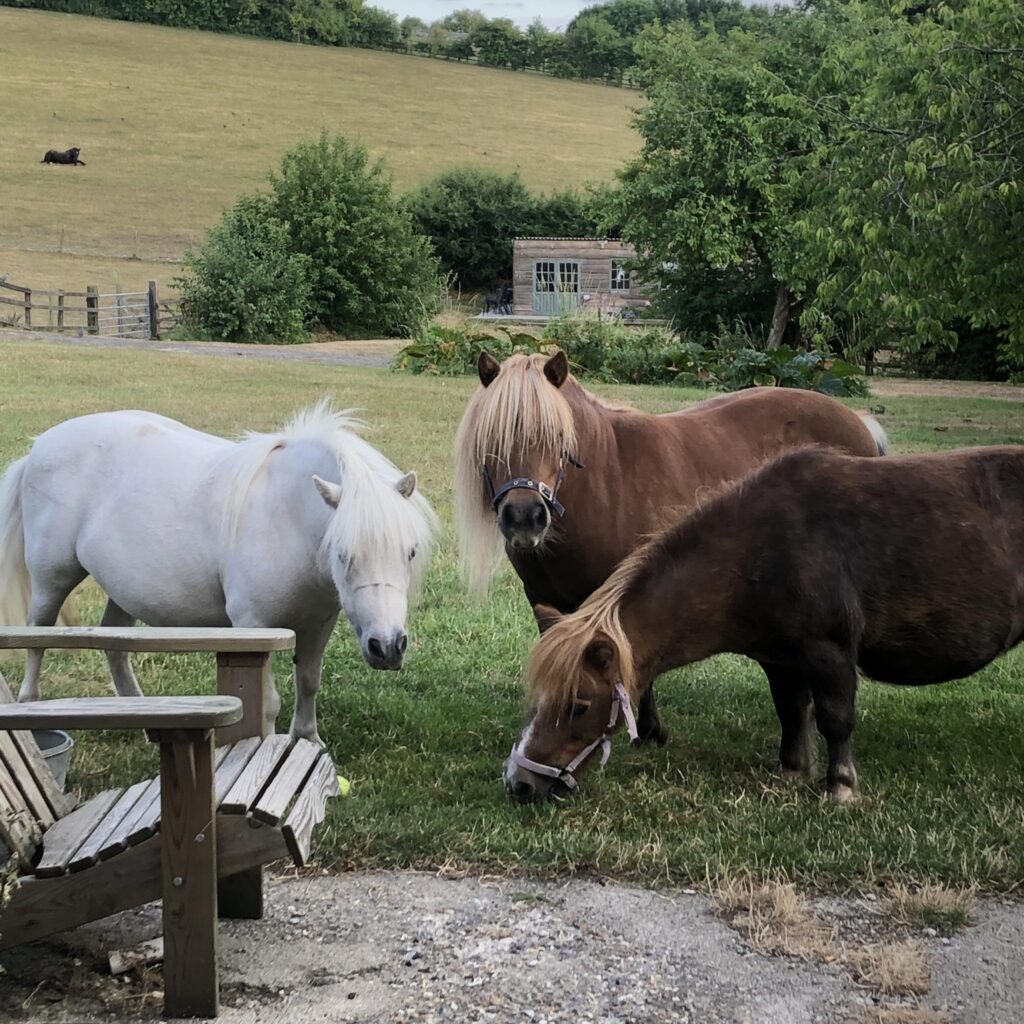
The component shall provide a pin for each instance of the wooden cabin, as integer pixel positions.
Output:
(551, 276)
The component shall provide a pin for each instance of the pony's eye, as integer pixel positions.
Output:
(412, 554)
(579, 708)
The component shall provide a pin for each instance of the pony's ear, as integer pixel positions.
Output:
(488, 367)
(407, 484)
(601, 653)
(331, 493)
(556, 369)
(546, 616)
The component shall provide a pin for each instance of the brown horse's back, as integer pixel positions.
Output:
(917, 562)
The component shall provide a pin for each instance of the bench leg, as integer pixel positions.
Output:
(189, 846)
(241, 895)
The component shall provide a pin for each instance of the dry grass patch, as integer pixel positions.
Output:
(932, 906)
(775, 918)
(892, 968)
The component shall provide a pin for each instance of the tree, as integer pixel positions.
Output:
(369, 270)
(597, 49)
(499, 43)
(709, 195)
(471, 216)
(917, 218)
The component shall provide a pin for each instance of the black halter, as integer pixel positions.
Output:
(525, 483)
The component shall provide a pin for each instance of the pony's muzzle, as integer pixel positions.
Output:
(385, 652)
(523, 523)
(526, 788)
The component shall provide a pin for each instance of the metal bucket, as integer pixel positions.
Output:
(55, 746)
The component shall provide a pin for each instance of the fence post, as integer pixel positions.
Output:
(92, 309)
(154, 313)
(27, 298)
(60, 310)
(121, 316)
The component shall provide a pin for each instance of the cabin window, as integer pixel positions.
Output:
(544, 277)
(620, 276)
(569, 277)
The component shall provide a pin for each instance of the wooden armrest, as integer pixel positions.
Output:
(112, 638)
(123, 713)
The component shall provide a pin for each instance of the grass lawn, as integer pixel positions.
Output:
(174, 124)
(940, 766)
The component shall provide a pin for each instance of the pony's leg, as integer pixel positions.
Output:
(309, 662)
(649, 727)
(831, 674)
(48, 598)
(119, 661)
(795, 708)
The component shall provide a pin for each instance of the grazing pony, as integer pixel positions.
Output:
(181, 528)
(67, 156)
(909, 568)
(571, 484)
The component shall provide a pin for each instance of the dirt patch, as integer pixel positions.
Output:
(408, 947)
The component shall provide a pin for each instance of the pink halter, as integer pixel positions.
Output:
(567, 775)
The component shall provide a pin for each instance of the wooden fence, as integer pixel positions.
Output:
(115, 314)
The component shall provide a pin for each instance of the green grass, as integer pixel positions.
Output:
(174, 124)
(940, 766)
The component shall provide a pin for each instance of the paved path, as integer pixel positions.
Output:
(342, 353)
(405, 947)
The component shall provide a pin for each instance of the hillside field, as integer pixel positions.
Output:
(173, 124)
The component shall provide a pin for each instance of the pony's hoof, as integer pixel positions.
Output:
(843, 795)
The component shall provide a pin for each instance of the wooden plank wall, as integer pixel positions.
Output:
(594, 256)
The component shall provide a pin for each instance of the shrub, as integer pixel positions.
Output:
(609, 351)
(471, 216)
(370, 272)
(245, 284)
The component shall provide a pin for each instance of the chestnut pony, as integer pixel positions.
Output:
(911, 568)
(571, 483)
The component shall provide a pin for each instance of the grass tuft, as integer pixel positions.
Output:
(891, 968)
(932, 905)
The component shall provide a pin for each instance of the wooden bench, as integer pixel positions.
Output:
(197, 836)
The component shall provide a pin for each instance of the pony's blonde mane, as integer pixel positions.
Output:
(371, 516)
(555, 668)
(519, 410)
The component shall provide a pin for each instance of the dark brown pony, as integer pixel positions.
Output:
(67, 156)
(533, 443)
(909, 568)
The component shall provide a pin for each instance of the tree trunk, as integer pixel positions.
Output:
(780, 315)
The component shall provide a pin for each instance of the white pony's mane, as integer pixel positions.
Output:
(371, 516)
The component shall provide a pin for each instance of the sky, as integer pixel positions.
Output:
(554, 13)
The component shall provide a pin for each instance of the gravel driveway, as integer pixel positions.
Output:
(411, 947)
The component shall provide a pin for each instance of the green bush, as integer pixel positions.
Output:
(370, 271)
(245, 283)
(609, 351)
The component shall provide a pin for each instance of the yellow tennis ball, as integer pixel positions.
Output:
(344, 786)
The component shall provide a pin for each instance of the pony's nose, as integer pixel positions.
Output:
(524, 521)
(522, 791)
(386, 652)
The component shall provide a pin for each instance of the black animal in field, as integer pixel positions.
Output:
(67, 156)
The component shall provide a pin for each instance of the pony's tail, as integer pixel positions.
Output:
(15, 585)
(880, 437)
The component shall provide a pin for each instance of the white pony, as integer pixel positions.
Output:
(181, 528)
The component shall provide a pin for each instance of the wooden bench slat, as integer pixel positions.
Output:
(63, 838)
(13, 762)
(122, 713)
(274, 800)
(19, 831)
(89, 852)
(145, 638)
(57, 802)
(140, 823)
(309, 809)
(237, 756)
(256, 775)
